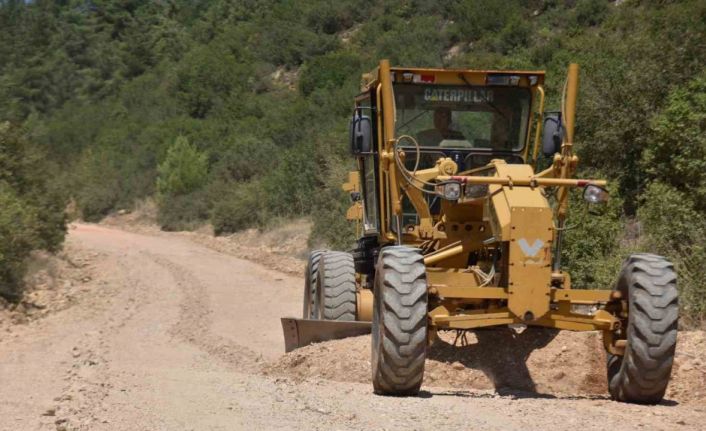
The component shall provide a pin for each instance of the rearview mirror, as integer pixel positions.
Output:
(552, 133)
(361, 134)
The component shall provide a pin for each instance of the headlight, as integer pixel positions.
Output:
(594, 194)
(450, 191)
(476, 191)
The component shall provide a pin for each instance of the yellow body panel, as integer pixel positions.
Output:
(530, 261)
(355, 212)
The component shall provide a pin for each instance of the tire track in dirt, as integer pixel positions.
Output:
(195, 320)
(90, 382)
(81, 403)
(92, 386)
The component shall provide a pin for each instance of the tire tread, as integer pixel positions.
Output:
(642, 374)
(339, 286)
(401, 350)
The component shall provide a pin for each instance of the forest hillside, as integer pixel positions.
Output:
(235, 112)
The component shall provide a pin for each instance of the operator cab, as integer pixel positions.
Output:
(470, 124)
(468, 116)
(467, 123)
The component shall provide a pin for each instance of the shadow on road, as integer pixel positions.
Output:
(515, 394)
(501, 354)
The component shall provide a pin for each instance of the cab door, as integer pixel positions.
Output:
(364, 122)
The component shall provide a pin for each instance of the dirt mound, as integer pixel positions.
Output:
(536, 360)
(141, 219)
(53, 282)
(282, 247)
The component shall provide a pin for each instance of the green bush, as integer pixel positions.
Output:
(477, 18)
(330, 228)
(673, 205)
(31, 207)
(207, 77)
(514, 35)
(625, 81)
(181, 177)
(591, 247)
(244, 157)
(183, 212)
(290, 186)
(329, 71)
(291, 45)
(674, 228)
(18, 237)
(676, 152)
(96, 184)
(589, 13)
(405, 42)
(183, 170)
(669, 217)
(690, 262)
(237, 207)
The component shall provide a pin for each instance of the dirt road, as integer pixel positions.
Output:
(174, 336)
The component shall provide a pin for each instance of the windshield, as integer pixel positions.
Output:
(463, 117)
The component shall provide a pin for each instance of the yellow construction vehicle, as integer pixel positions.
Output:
(458, 230)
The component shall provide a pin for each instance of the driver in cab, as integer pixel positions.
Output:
(441, 131)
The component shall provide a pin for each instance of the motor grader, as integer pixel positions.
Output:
(459, 229)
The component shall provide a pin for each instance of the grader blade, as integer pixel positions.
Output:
(302, 332)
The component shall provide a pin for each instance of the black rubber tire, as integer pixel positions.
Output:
(310, 276)
(641, 376)
(399, 333)
(336, 289)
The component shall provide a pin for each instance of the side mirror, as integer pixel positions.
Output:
(552, 133)
(361, 134)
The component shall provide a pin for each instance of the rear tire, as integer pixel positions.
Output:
(399, 333)
(310, 277)
(336, 288)
(649, 284)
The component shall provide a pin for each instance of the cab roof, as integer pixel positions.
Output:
(436, 76)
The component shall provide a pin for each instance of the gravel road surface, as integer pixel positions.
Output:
(173, 335)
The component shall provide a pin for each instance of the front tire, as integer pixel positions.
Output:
(336, 287)
(649, 284)
(399, 333)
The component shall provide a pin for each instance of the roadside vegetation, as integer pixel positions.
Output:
(235, 113)
(31, 207)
